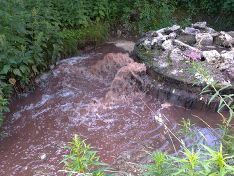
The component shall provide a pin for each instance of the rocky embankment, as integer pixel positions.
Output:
(170, 54)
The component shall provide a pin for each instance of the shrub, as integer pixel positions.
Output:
(213, 11)
(31, 37)
(5, 90)
(74, 39)
(81, 159)
(140, 16)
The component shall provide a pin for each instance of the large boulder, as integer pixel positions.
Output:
(204, 39)
(228, 63)
(211, 56)
(231, 33)
(224, 39)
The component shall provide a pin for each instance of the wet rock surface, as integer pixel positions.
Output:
(99, 96)
(170, 52)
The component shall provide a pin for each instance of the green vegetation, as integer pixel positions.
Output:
(81, 159)
(191, 163)
(36, 33)
(200, 159)
(216, 89)
(203, 161)
(79, 38)
(186, 128)
(215, 12)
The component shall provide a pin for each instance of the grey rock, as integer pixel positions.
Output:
(172, 35)
(163, 64)
(174, 28)
(210, 30)
(211, 56)
(175, 50)
(228, 60)
(230, 72)
(193, 54)
(147, 44)
(211, 47)
(183, 46)
(224, 39)
(231, 33)
(228, 55)
(154, 41)
(199, 25)
(176, 55)
(204, 39)
(168, 30)
(159, 39)
(191, 30)
(187, 38)
(150, 34)
(167, 45)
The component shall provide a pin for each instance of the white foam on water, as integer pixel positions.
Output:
(15, 116)
(72, 60)
(65, 93)
(40, 113)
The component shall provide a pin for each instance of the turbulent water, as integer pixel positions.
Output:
(101, 97)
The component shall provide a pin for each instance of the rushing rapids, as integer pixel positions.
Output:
(101, 97)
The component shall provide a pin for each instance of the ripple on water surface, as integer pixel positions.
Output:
(96, 97)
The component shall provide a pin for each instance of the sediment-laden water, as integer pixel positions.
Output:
(102, 98)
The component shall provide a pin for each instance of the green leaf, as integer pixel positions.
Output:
(6, 69)
(34, 68)
(17, 72)
(24, 69)
(213, 97)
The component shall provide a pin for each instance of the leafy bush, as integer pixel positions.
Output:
(78, 38)
(218, 13)
(211, 6)
(29, 38)
(81, 159)
(35, 33)
(29, 42)
(140, 16)
(5, 90)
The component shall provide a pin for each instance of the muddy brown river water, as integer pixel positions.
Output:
(100, 97)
